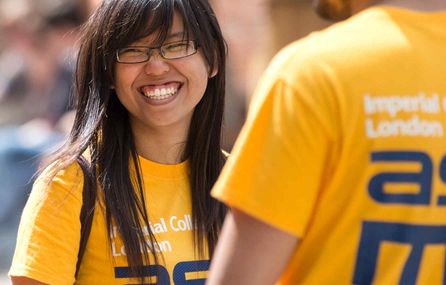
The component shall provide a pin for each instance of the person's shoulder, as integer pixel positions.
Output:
(343, 45)
(366, 31)
(59, 184)
(70, 175)
(340, 35)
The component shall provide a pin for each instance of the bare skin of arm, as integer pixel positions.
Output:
(250, 252)
(19, 280)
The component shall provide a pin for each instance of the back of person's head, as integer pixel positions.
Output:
(342, 9)
(335, 9)
(67, 14)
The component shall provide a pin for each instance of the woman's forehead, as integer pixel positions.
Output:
(159, 35)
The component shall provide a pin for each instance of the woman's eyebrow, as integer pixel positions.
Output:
(176, 35)
(142, 41)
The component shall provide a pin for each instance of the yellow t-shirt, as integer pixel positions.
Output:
(49, 233)
(345, 148)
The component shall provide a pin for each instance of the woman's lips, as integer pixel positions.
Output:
(160, 94)
(160, 91)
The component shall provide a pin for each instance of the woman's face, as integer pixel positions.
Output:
(162, 92)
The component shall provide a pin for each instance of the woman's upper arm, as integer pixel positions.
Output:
(49, 232)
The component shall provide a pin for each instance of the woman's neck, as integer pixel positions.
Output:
(163, 145)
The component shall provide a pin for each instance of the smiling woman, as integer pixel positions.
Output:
(149, 84)
(160, 88)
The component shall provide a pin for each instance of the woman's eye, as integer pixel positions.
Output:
(132, 51)
(175, 46)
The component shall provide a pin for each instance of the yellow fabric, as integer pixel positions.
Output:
(48, 239)
(334, 120)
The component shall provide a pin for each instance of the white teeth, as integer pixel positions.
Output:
(162, 93)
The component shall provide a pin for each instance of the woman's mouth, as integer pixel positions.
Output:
(160, 92)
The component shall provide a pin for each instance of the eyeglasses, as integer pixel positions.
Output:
(138, 54)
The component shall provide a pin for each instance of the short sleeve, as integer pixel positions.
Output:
(49, 231)
(275, 172)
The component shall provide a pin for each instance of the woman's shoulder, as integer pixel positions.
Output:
(57, 177)
(61, 170)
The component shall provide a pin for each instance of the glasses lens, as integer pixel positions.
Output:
(168, 51)
(178, 49)
(132, 55)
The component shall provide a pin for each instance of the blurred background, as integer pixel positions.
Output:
(38, 41)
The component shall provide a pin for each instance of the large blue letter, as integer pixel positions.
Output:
(442, 199)
(374, 233)
(158, 271)
(180, 270)
(422, 178)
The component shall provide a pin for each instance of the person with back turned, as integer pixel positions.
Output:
(339, 174)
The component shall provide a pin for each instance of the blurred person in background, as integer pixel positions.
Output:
(42, 47)
(36, 72)
(339, 174)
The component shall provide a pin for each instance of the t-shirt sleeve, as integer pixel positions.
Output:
(275, 172)
(49, 231)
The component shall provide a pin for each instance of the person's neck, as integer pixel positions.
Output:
(416, 5)
(163, 145)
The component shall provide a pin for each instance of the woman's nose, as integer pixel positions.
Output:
(156, 65)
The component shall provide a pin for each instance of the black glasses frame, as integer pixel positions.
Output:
(160, 49)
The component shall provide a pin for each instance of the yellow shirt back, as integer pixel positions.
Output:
(345, 147)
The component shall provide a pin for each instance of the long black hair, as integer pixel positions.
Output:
(102, 127)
